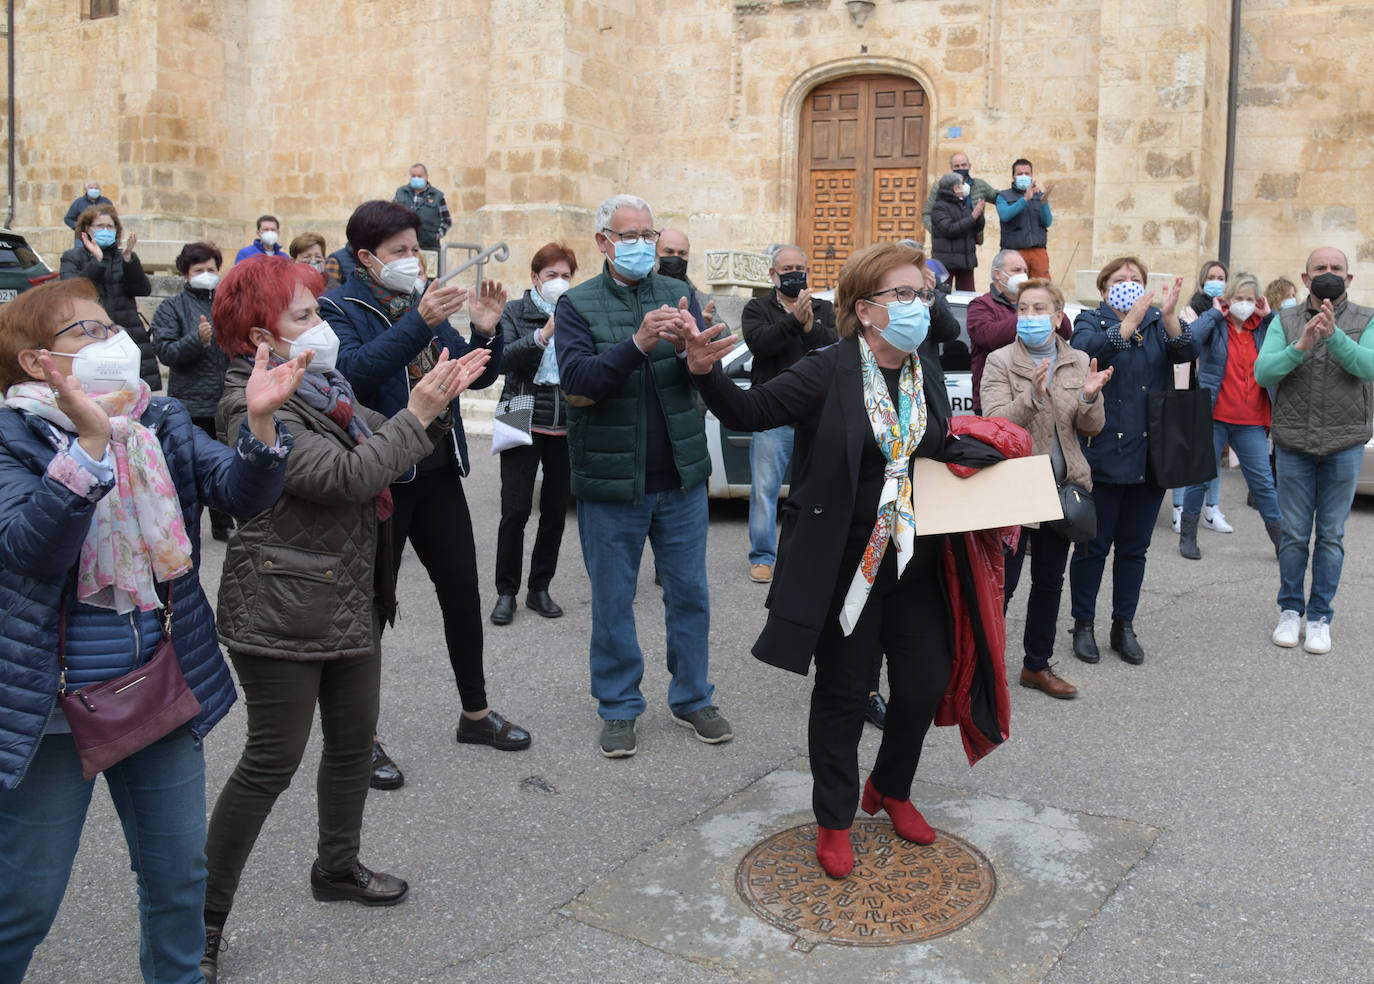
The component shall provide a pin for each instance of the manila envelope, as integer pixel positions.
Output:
(1009, 493)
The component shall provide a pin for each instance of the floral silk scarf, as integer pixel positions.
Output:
(898, 430)
(137, 536)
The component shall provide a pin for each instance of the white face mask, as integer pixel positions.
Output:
(268, 237)
(400, 275)
(322, 340)
(1242, 310)
(108, 366)
(1014, 283)
(205, 280)
(552, 290)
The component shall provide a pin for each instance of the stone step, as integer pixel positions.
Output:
(478, 408)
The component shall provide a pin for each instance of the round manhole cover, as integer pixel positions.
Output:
(899, 892)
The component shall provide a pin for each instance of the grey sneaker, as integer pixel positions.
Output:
(618, 739)
(708, 724)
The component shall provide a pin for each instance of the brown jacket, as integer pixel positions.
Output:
(300, 579)
(1007, 388)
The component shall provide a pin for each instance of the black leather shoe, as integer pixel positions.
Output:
(220, 534)
(1084, 643)
(357, 884)
(539, 601)
(386, 774)
(493, 730)
(1125, 643)
(504, 612)
(875, 711)
(209, 961)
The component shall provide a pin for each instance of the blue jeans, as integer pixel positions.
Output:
(1314, 490)
(1250, 442)
(613, 535)
(1213, 492)
(770, 451)
(159, 794)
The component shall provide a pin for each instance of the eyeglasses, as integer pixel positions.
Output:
(905, 295)
(98, 330)
(630, 238)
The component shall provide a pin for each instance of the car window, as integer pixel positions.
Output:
(14, 256)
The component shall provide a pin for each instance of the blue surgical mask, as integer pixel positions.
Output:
(104, 238)
(92, 193)
(1288, 302)
(1213, 288)
(1033, 329)
(633, 261)
(907, 325)
(417, 183)
(1023, 182)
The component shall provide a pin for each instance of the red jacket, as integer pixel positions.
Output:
(976, 698)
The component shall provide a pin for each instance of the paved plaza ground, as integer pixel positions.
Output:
(1205, 817)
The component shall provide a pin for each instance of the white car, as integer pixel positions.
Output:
(730, 475)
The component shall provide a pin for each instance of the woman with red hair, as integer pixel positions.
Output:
(307, 583)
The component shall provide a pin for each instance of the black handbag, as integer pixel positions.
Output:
(1079, 524)
(1179, 425)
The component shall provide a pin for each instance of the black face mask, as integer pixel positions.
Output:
(962, 171)
(1328, 286)
(673, 266)
(792, 283)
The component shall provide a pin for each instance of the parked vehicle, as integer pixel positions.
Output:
(730, 475)
(20, 267)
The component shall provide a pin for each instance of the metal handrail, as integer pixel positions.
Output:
(499, 252)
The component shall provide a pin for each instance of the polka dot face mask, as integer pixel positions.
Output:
(1124, 293)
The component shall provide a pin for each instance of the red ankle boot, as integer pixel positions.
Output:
(834, 851)
(906, 819)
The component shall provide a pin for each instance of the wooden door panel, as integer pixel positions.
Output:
(830, 235)
(862, 169)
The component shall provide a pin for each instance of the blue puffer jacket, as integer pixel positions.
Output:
(374, 354)
(42, 526)
(1118, 453)
(1213, 341)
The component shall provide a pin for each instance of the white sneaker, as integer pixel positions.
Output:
(1178, 519)
(1318, 639)
(1215, 520)
(1286, 633)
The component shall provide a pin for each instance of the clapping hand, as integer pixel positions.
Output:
(1321, 326)
(1095, 380)
(268, 389)
(703, 349)
(92, 246)
(1171, 295)
(660, 324)
(1136, 315)
(129, 241)
(440, 302)
(204, 330)
(91, 421)
(443, 383)
(1041, 380)
(486, 306)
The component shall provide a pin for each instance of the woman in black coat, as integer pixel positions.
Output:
(527, 339)
(184, 338)
(955, 230)
(118, 277)
(852, 579)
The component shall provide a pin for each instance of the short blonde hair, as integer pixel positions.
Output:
(304, 241)
(863, 274)
(1041, 283)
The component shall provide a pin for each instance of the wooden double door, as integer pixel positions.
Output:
(863, 169)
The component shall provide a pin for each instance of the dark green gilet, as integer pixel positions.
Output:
(427, 210)
(607, 441)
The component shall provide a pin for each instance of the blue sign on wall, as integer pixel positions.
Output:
(955, 131)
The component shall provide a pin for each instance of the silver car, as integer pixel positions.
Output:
(730, 476)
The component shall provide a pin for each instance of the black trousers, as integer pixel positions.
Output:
(518, 469)
(432, 513)
(1049, 554)
(909, 620)
(220, 522)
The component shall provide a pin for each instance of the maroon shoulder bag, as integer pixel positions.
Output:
(115, 718)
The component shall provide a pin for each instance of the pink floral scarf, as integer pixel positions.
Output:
(137, 536)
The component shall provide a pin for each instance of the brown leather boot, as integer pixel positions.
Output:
(1049, 682)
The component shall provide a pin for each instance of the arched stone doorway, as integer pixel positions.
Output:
(862, 168)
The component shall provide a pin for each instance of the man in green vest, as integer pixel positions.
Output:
(639, 467)
(428, 203)
(1319, 359)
